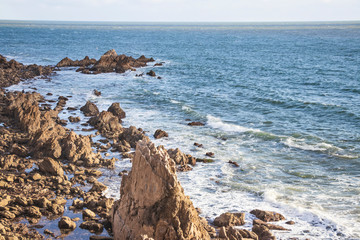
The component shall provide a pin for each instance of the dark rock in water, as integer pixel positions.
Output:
(204, 160)
(290, 222)
(97, 93)
(234, 163)
(267, 216)
(269, 225)
(92, 226)
(230, 219)
(132, 136)
(74, 119)
(151, 73)
(158, 64)
(181, 158)
(152, 201)
(210, 154)
(117, 111)
(90, 109)
(107, 124)
(263, 232)
(196, 124)
(49, 94)
(198, 145)
(160, 134)
(67, 62)
(66, 223)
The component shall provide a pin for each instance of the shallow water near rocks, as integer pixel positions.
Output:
(280, 100)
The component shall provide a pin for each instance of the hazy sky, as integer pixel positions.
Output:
(181, 10)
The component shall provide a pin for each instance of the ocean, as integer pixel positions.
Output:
(280, 99)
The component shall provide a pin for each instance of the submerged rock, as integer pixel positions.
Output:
(153, 202)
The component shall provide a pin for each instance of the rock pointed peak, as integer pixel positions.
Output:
(110, 53)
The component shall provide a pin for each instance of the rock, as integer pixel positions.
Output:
(290, 222)
(210, 154)
(88, 214)
(34, 212)
(43, 202)
(19, 150)
(151, 73)
(269, 226)
(160, 134)
(48, 232)
(153, 202)
(180, 158)
(36, 177)
(51, 166)
(198, 145)
(78, 204)
(90, 109)
(132, 135)
(96, 237)
(263, 232)
(204, 160)
(196, 124)
(92, 226)
(107, 124)
(235, 164)
(7, 214)
(98, 187)
(96, 92)
(66, 224)
(240, 234)
(230, 219)
(267, 216)
(117, 111)
(74, 119)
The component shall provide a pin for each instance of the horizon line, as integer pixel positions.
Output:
(115, 21)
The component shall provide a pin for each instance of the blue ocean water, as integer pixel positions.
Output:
(281, 99)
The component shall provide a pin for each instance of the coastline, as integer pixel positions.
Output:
(61, 102)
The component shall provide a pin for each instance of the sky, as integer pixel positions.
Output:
(181, 10)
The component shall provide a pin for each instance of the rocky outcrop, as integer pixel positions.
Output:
(160, 134)
(12, 72)
(236, 234)
(181, 158)
(132, 135)
(108, 125)
(90, 109)
(267, 216)
(153, 202)
(109, 62)
(52, 167)
(117, 111)
(67, 62)
(230, 219)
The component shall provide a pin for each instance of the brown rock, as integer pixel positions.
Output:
(235, 164)
(33, 212)
(132, 136)
(98, 187)
(66, 223)
(117, 111)
(263, 232)
(90, 109)
(290, 222)
(51, 166)
(196, 124)
(36, 177)
(269, 225)
(160, 134)
(181, 158)
(267, 216)
(210, 154)
(230, 219)
(107, 124)
(152, 201)
(88, 214)
(92, 226)
(151, 73)
(96, 92)
(74, 119)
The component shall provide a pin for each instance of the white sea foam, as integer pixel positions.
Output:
(217, 123)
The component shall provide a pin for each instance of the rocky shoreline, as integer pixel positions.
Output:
(44, 167)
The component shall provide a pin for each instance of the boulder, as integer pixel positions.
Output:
(66, 223)
(267, 216)
(88, 214)
(90, 109)
(107, 124)
(181, 158)
(196, 124)
(96, 92)
(92, 226)
(160, 134)
(263, 232)
(153, 202)
(132, 135)
(51, 166)
(230, 219)
(269, 225)
(151, 73)
(117, 111)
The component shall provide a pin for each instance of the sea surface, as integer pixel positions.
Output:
(280, 99)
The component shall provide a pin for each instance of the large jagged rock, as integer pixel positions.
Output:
(109, 62)
(132, 135)
(12, 72)
(51, 166)
(230, 219)
(117, 111)
(90, 109)
(181, 158)
(153, 202)
(107, 124)
(267, 216)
